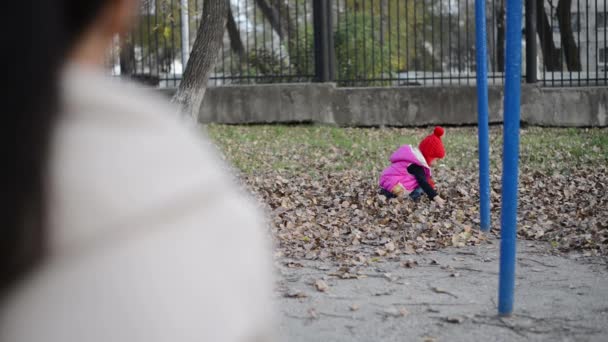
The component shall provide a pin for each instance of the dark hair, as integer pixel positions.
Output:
(36, 41)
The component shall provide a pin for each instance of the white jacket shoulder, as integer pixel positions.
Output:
(148, 241)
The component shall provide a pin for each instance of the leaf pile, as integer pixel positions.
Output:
(341, 216)
(570, 211)
(322, 209)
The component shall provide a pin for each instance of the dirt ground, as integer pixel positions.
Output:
(354, 266)
(447, 295)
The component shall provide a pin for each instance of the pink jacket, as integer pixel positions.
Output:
(397, 173)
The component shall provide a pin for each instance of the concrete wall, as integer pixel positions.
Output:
(404, 106)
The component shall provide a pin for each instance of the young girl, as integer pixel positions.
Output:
(410, 169)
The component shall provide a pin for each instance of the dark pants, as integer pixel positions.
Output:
(416, 194)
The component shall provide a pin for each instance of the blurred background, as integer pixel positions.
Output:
(372, 42)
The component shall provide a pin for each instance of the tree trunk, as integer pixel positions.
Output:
(209, 40)
(127, 56)
(551, 55)
(281, 7)
(277, 14)
(500, 36)
(564, 17)
(236, 43)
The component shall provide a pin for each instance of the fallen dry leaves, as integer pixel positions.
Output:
(319, 187)
(341, 216)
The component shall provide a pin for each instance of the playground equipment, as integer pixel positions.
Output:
(482, 117)
(508, 227)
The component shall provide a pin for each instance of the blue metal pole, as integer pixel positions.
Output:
(482, 114)
(508, 232)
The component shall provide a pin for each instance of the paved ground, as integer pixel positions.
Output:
(449, 296)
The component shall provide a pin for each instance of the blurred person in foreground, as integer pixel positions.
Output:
(116, 222)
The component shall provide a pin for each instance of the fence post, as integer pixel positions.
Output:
(323, 40)
(531, 49)
(331, 51)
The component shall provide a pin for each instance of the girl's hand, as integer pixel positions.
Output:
(439, 200)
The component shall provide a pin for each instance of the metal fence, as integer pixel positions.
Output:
(366, 42)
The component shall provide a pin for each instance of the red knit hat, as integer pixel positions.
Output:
(432, 147)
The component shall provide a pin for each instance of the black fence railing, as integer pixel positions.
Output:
(367, 42)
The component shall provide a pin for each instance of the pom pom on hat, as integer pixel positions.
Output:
(439, 131)
(432, 147)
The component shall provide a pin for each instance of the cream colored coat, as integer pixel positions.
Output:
(146, 243)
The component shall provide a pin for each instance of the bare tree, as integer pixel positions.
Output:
(551, 55)
(571, 52)
(236, 43)
(208, 42)
(127, 55)
(277, 14)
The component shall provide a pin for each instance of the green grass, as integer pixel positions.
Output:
(313, 148)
